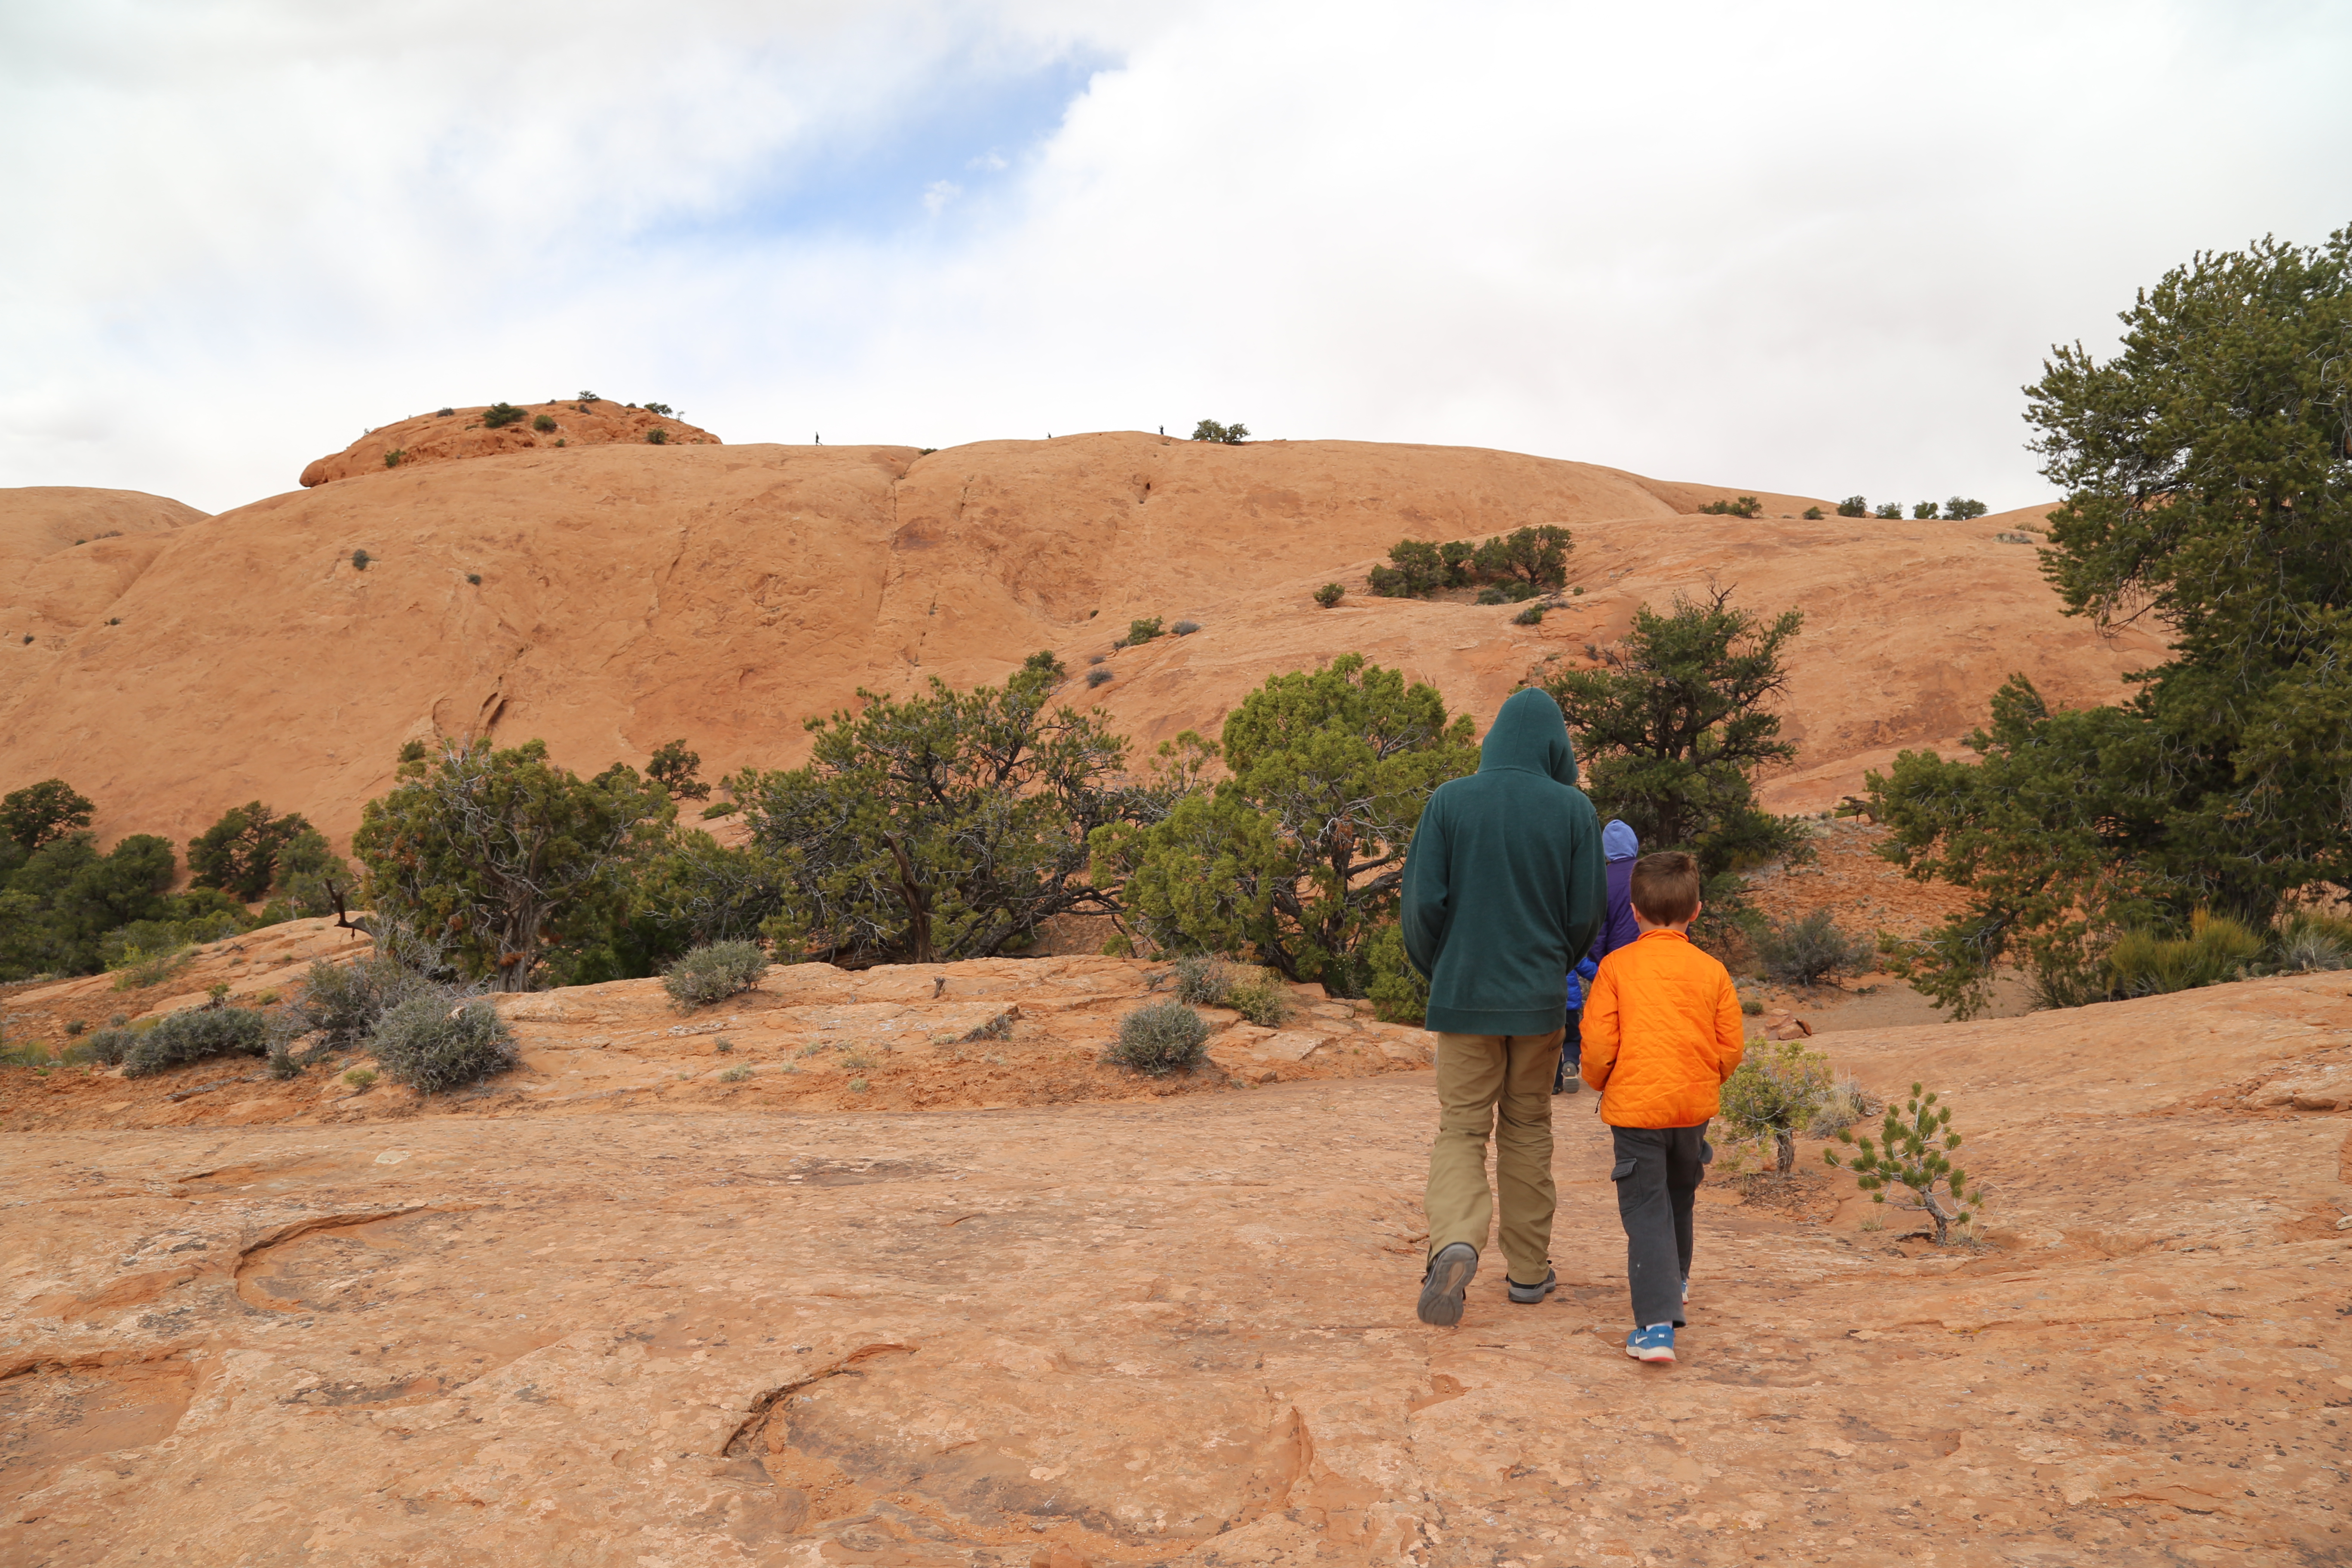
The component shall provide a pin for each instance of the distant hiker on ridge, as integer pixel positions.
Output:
(1503, 891)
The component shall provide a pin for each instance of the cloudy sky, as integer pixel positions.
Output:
(1808, 246)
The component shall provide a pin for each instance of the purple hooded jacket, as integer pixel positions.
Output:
(1619, 847)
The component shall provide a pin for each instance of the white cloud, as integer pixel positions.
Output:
(1810, 247)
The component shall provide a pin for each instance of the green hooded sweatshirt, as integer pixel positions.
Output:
(1504, 883)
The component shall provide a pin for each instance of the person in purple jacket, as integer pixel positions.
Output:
(1620, 847)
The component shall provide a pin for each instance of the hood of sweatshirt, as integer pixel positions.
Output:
(1530, 735)
(1619, 842)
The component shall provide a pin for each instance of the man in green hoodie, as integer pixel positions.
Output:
(1504, 889)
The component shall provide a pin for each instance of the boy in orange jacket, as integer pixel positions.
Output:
(1662, 1031)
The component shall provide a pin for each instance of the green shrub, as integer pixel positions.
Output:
(1185, 628)
(1813, 515)
(658, 437)
(361, 1078)
(1889, 511)
(1777, 1090)
(1531, 616)
(498, 415)
(1160, 1038)
(1490, 595)
(1536, 557)
(1751, 1006)
(735, 1075)
(342, 1002)
(475, 578)
(1924, 511)
(360, 558)
(714, 972)
(197, 1035)
(1203, 979)
(1329, 594)
(1142, 631)
(443, 413)
(1854, 506)
(1746, 506)
(1910, 1158)
(2216, 948)
(1809, 951)
(2309, 943)
(441, 1040)
(1419, 568)
(1230, 434)
(108, 1048)
(391, 458)
(1263, 999)
(1098, 676)
(1398, 993)
(544, 423)
(1960, 509)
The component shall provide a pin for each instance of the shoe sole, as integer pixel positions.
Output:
(1655, 1353)
(1442, 1293)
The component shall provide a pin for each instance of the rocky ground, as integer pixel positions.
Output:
(606, 1315)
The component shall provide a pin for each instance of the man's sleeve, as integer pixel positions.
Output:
(1424, 916)
(1730, 1030)
(1600, 1028)
(1588, 883)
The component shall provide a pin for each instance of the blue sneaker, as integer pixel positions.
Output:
(1652, 1344)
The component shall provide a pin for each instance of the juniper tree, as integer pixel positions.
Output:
(1914, 1153)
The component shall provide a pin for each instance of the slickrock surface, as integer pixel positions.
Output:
(628, 594)
(460, 433)
(711, 1332)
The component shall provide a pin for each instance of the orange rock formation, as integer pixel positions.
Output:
(460, 433)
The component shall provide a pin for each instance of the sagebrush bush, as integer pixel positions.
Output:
(1160, 1038)
(1809, 951)
(2216, 948)
(544, 423)
(1490, 595)
(1329, 594)
(197, 1035)
(1531, 616)
(1203, 979)
(342, 1002)
(1263, 999)
(108, 1048)
(443, 413)
(1098, 676)
(442, 1040)
(498, 415)
(714, 972)
(1185, 628)
(2310, 943)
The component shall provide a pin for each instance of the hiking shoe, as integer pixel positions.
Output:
(1652, 1344)
(1573, 1083)
(1442, 1284)
(1533, 1295)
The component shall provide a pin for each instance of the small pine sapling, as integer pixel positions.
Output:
(1912, 1153)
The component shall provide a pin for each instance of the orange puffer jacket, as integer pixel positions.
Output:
(1660, 1033)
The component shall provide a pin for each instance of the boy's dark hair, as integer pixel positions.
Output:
(1665, 887)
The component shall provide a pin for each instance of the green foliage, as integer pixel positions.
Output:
(239, 853)
(1531, 616)
(1925, 509)
(1854, 506)
(1399, 994)
(342, 1002)
(440, 1041)
(1329, 594)
(1142, 631)
(498, 415)
(1535, 556)
(2308, 942)
(2216, 948)
(677, 770)
(1203, 979)
(2208, 486)
(1419, 568)
(40, 812)
(1778, 1091)
(1161, 1037)
(658, 436)
(361, 1078)
(443, 413)
(360, 558)
(1960, 509)
(1809, 951)
(1746, 506)
(1812, 514)
(1914, 1151)
(544, 423)
(106, 1048)
(391, 458)
(662, 408)
(197, 1035)
(501, 852)
(1230, 435)
(1185, 628)
(714, 972)
(1297, 857)
(307, 872)
(1889, 511)
(58, 904)
(1100, 676)
(1490, 595)
(1672, 725)
(1262, 999)
(927, 829)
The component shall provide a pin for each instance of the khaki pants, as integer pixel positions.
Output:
(1500, 1083)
